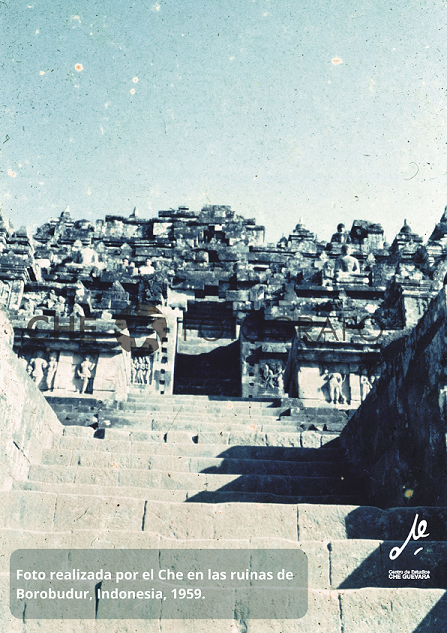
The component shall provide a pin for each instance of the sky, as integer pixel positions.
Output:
(281, 109)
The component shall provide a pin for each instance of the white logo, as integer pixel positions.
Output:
(397, 551)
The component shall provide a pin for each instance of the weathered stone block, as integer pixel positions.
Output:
(35, 510)
(335, 522)
(356, 563)
(78, 512)
(52, 474)
(310, 439)
(391, 610)
(98, 476)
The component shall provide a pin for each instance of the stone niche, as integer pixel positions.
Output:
(337, 384)
(277, 363)
(70, 369)
(66, 371)
(268, 378)
(264, 352)
(103, 363)
(66, 364)
(331, 374)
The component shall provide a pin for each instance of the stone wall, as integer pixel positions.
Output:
(27, 422)
(398, 435)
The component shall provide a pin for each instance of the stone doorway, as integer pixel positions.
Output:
(214, 373)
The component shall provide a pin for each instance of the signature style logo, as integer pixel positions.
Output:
(421, 533)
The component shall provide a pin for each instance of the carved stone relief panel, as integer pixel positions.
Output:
(272, 375)
(41, 366)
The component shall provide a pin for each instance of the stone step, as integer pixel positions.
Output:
(52, 512)
(304, 439)
(346, 522)
(42, 511)
(112, 475)
(181, 425)
(342, 565)
(182, 496)
(196, 426)
(223, 465)
(198, 403)
(168, 402)
(141, 393)
(221, 411)
(251, 406)
(140, 442)
(231, 408)
(174, 410)
(247, 437)
(190, 413)
(171, 410)
(329, 611)
(143, 416)
(191, 417)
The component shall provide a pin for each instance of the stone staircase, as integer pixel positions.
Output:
(251, 477)
(202, 450)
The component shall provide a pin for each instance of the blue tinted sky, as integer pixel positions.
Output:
(237, 102)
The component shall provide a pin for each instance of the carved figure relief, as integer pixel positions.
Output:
(366, 384)
(139, 374)
(272, 376)
(50, 300)
(36, 368)
(153, 289)
(147, 371)
(335, 383)
(78, 310)
(141, 371)
(85, 373)
(80, 293)
(51, 371)
(60, 306)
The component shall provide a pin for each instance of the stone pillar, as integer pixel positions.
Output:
(163, 372)
(354, 384)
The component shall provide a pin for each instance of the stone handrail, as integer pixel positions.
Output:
(398, 435)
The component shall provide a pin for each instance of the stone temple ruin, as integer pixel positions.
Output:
(253, 393)
(197, 303)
